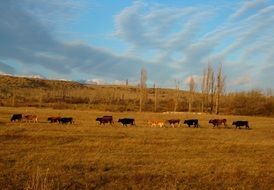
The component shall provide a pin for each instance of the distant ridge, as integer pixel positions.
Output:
(35, 81)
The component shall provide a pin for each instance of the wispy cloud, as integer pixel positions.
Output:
(247, 8)
(29, 42)
(171, 42)
(233, 42)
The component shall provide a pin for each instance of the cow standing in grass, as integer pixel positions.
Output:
(155, 123)
(193, 122)
(54, 119)
(241, 123)
(105, 119)
(16, 117)
(217, 122)
(173, 122)
(31, 118)
(127, 121)
(66, 120)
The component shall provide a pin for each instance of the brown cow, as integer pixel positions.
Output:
(217, 122)
(105, 119)
(172, 122)
(54, 119)
(29, 118)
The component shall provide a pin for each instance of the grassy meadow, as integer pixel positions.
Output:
(85, 155)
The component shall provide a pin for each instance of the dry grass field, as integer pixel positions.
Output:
(85, 155)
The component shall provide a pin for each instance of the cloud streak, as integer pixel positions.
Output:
(170, 42)
(29, 43)
(242, 40)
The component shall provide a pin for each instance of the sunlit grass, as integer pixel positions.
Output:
(86, 155)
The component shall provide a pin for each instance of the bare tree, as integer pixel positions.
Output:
(13, 98)
(192, 88)
(269, 92)
(176, 95)
(155, 98)
(143, 80)
(212, 90)
(220, 84)
(204, 90)
(208, 88)
(40, 94)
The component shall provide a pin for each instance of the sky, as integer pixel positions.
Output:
(111, 41)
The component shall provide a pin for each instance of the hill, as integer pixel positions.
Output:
(22, 91)
(34, 92)
(13, 82)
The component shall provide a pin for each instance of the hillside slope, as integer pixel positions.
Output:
(24, 82)
(22, 91)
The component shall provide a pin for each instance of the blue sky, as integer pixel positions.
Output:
(110, 41)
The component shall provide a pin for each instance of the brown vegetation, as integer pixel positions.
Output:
(18, 92)
(86, 155)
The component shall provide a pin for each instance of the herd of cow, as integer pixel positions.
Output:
(34, 118)
(131, 121)
(172, 122)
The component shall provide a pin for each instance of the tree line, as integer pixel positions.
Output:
(208, 95)
(212, 97)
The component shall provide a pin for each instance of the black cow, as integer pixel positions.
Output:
(65, 120)
(16, 117)
(105, 119)
(193, 122)
(126, 121)
(240, 123)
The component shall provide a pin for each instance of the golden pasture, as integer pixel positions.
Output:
(85, 155)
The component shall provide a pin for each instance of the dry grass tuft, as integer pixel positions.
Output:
(40, 181)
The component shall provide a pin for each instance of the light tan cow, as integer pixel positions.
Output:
(29, 118)
(155, 123)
